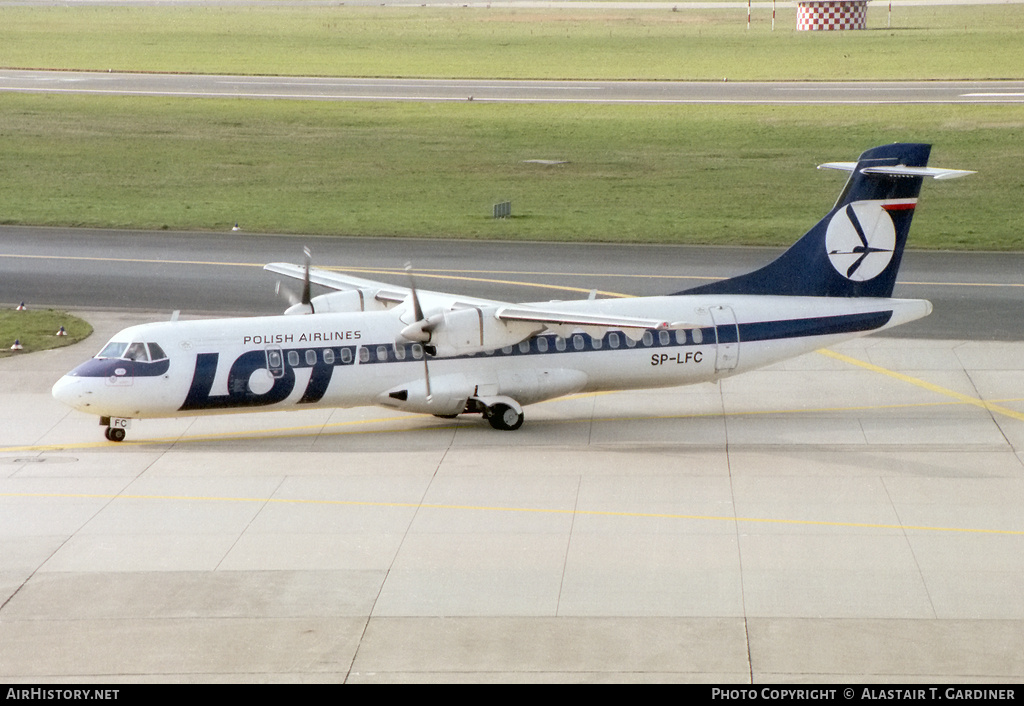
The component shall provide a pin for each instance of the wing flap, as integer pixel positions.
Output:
(556, 317)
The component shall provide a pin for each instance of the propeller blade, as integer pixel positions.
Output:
(416, 308)
(287, 294)
(418, 314)
(305, 283)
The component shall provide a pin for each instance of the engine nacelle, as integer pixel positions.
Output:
(466, 331)
(353, 300)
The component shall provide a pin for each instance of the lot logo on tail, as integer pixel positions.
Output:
(860, 241)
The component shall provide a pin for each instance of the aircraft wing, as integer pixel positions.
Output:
(551, 315)
(382, 291)
(338, 281)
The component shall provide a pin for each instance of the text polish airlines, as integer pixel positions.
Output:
(369, 343)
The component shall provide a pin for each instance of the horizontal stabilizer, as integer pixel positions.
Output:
(937, 173)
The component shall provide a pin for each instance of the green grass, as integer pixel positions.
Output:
(36, 330)
(679, 174)
(924, 42)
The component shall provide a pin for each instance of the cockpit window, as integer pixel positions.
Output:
(113, 349)
(137, 351)
(142, 352)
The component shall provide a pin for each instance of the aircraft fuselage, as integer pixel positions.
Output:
(354, 359)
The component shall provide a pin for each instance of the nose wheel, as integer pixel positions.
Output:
(114, 434)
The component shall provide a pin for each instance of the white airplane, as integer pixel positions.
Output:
(369, 343)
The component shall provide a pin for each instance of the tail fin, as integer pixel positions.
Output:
(854, 251)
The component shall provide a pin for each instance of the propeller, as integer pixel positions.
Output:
(298, 305)
(418, 330)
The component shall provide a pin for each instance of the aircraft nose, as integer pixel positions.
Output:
(71, 391)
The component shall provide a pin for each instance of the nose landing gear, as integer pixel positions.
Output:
(116, 428)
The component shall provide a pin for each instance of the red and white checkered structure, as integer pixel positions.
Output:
(831, 14)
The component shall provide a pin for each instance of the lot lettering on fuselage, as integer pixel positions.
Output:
(279, 377)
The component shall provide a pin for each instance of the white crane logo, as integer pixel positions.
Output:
(860, 241)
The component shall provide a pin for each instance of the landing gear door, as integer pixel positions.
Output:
(728, 338)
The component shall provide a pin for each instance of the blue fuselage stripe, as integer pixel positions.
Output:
(818, 326)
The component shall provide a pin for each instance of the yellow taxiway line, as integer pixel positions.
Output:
(532, 510)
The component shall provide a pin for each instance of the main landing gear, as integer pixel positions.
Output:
(504, 417)
(502, 413)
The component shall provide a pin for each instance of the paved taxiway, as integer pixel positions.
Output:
(849, 515)
(976, 295)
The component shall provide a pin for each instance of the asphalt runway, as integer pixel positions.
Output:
(852, 515)
(607, 92)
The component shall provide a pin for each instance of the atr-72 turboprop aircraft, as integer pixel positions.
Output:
(370, 343)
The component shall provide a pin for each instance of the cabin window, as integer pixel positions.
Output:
(681, 337)
(346, 356)
(399, 351)
(310, 357)
(542, 345)
(613, 340)
(507, 350)
(698, 336)
(382, 353)
(596, 342)
(560, 343)
(663, 337)
(364, 355)
(329, 356)
(630, 343)
(524, 347)
(648, 338)
(417, 351)
(293, 358)
(577, 342)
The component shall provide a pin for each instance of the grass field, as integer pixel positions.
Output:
(924, 42)
(699, 174)
(36, 330)
(717, 174)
